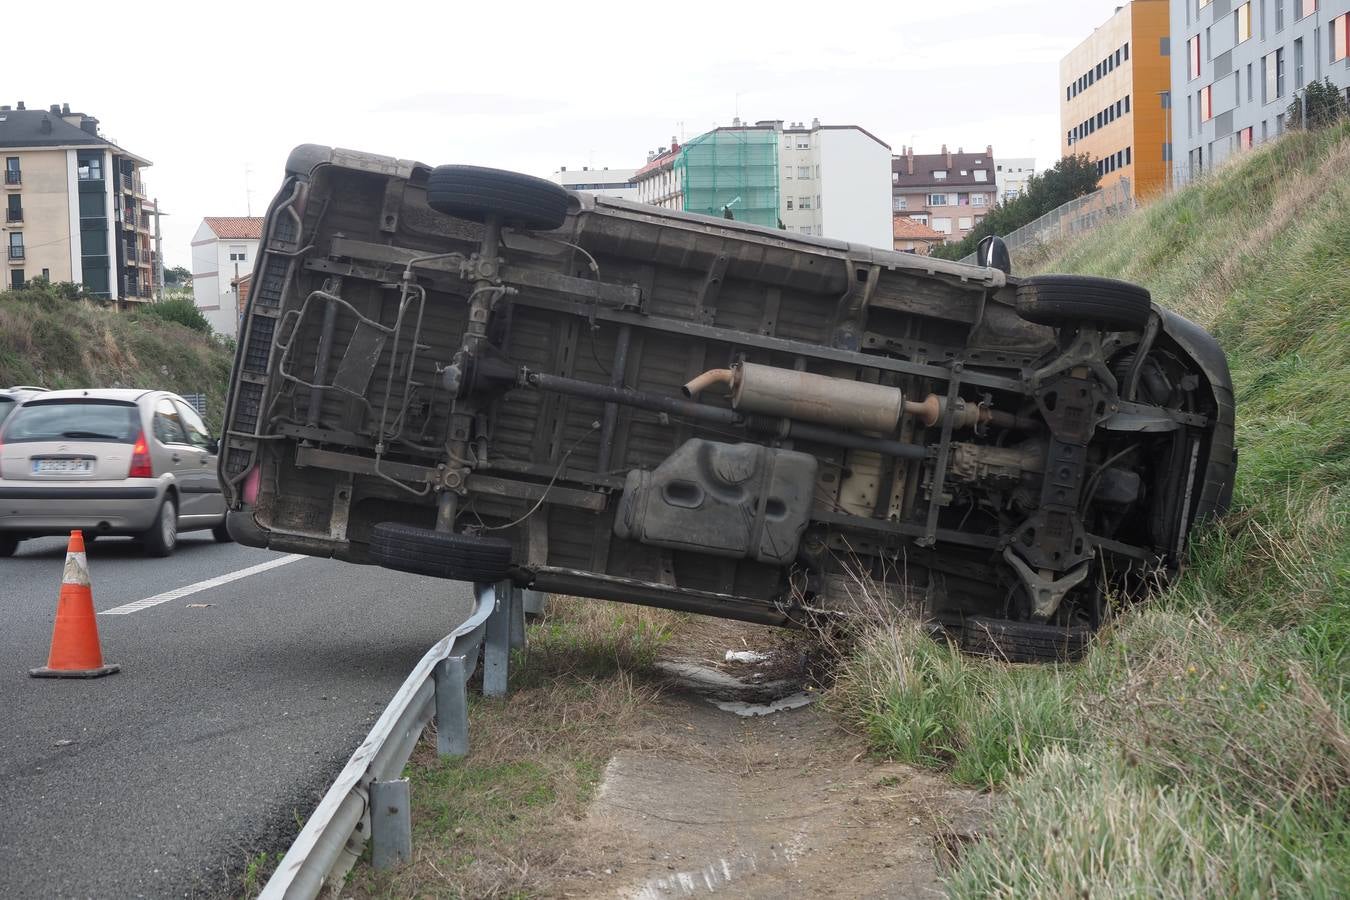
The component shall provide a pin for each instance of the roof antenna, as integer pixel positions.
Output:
(248, 192)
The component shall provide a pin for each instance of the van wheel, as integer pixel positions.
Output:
(221, 534)
(1058, 300)
(477, 194)
(421, 551)
(162, 537)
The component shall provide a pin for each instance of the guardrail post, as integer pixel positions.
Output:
(497, 644)
(517, 618)
(390, 824)
(533, 602)
(452, 707)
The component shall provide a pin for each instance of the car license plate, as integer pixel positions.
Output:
(68, 466)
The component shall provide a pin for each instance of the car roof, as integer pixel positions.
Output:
(124, 394)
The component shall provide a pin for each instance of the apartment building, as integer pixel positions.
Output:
(949, 192)
(1239, 65)
(816, 179)
(1011, 176)
(75, 206)
(224, 249)
(604, 182)
(1114, 97)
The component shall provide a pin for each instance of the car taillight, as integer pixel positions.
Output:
(140, 459)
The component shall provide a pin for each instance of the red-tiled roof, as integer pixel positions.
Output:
(237, 228)
(907, 229)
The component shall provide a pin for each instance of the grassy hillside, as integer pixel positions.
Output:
(1203, 748)
(55, 342)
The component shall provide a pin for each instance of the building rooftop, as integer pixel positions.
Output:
(46, 128)
(907, 229)
(916, 170)
(235, 228)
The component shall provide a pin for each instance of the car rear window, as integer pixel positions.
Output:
(73, 420)
(6, 407)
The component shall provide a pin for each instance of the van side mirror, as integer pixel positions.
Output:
(214, 447)
(992, 253)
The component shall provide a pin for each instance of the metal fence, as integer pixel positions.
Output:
(1073, 218)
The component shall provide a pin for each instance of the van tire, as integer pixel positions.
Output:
(1015, 641)
(477, 194)
(421, 551)
(1058, 300)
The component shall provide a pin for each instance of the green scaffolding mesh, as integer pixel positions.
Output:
(735, 169)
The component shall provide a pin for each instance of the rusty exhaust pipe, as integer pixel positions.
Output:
(707, 380)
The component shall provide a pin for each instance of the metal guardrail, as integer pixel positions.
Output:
(331, 840)
(1078, 216)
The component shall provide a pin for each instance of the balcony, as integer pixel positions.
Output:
(145, 221)
(131, 255)
(13, 177)
(15, 253)
(14, 214)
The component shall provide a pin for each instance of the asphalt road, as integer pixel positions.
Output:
(235, 707)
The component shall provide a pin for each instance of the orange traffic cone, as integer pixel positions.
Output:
(75, 651)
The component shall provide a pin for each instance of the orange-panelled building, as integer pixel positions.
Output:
(1115, 97)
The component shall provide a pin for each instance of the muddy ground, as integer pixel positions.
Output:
(737, 800)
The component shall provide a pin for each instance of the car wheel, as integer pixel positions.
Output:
(8, 544)
(221, 534)
(162, 537)
(421, 551)
(1058, 300)
(477, 194)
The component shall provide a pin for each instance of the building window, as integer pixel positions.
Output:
(940, 175)
(942, 225)
(1242, 17)
(965, 223)
(803, 142)
(937, 199)
(1307, 8)
(13, 174)
(922, 218)
(90, 166)
(982, 175)
(1193, 58)
(16, 245)
(1279, 15)
(1126, 48)
(804, 172)
(1245, 139)
(897, 204)
(803, 202)
(16, 279)
(978, 199)
(1279, 72)
(789, 202)
(237, 253)
(1340, 37)
(1206, 103)
(14, 212)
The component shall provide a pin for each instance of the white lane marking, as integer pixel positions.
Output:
(176, 593)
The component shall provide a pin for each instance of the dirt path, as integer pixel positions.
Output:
(779, 805)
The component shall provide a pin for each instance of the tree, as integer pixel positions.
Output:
(1320, 105)
(178, 275)
(1068, 179)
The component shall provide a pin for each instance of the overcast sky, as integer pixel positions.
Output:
(216, 95)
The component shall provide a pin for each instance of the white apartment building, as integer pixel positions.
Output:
(822, 180)
(223, 249)
(604, 182)
(1010, 177)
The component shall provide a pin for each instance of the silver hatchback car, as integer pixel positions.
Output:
(108, 462)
